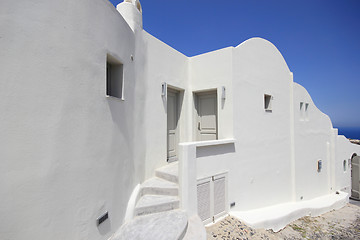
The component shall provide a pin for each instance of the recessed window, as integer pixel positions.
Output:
(114, 77)
(319, 165)
(306, 112)
(302, 111)
(268, 103)
(344, 165)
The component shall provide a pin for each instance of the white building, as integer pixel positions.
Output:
(92, 105)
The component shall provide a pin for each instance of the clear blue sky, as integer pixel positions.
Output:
(319, 39)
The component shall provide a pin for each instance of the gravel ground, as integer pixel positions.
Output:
(340, 224)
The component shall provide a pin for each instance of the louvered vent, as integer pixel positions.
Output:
(212, 197)
(203, 196)
(219, 195)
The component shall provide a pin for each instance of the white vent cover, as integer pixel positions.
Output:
(219, 195)
(203, 196)
(212, 197)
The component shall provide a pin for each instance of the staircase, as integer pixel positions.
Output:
(160, 193)
(156, 214)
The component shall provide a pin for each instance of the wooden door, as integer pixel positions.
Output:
(172, 125)
(355, 177)
(206, 109)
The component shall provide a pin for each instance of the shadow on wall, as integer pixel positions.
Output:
(207, 151)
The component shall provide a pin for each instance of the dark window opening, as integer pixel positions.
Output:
(114, 78)
(267, 103)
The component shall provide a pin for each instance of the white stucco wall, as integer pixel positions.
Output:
(67, 152)
(312, 143)
(212, 71)
(274, 158)
(263, 137)
(163, 65)
(259, 164)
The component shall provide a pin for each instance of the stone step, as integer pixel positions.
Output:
(196, 229)
(169, 172)
(159, 186)
(171, 225)
(149, 204)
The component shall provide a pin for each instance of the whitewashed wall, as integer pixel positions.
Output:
(163, 65)
(259, 164)
(264, 141)
(313, 142)
(274, 158)
(67, 152)
(212, 71)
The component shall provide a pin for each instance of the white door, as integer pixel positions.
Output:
(172, 125)
(206, 109)
(355, 177)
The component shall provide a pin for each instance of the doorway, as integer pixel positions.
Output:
(206, 116)
(355, 177)
(172, 124)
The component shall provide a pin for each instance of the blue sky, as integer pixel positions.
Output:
(319, 39)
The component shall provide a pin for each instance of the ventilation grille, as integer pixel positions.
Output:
(203, 196)
(219, 195)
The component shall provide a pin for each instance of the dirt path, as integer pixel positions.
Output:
(340, 224)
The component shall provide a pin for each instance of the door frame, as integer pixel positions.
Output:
(352, 194)
(178, 98)
(195, 113)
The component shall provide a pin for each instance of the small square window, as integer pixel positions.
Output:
(114, 78)
(267, 103)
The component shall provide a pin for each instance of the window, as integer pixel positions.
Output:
(319, 165)
(114, 78)
(304, 113)
(344, 165)
(267, 103)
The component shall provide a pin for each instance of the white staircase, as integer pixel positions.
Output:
(156, 214)
(160, 193)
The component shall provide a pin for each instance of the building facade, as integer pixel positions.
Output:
(92, 105)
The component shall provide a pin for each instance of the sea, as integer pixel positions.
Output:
(349, 132)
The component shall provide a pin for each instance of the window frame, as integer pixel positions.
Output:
(114, 74)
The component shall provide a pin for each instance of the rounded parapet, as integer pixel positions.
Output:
(136, 3)
(131, 11)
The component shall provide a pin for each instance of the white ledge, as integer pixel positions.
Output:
(278, 216)
(210, 143)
